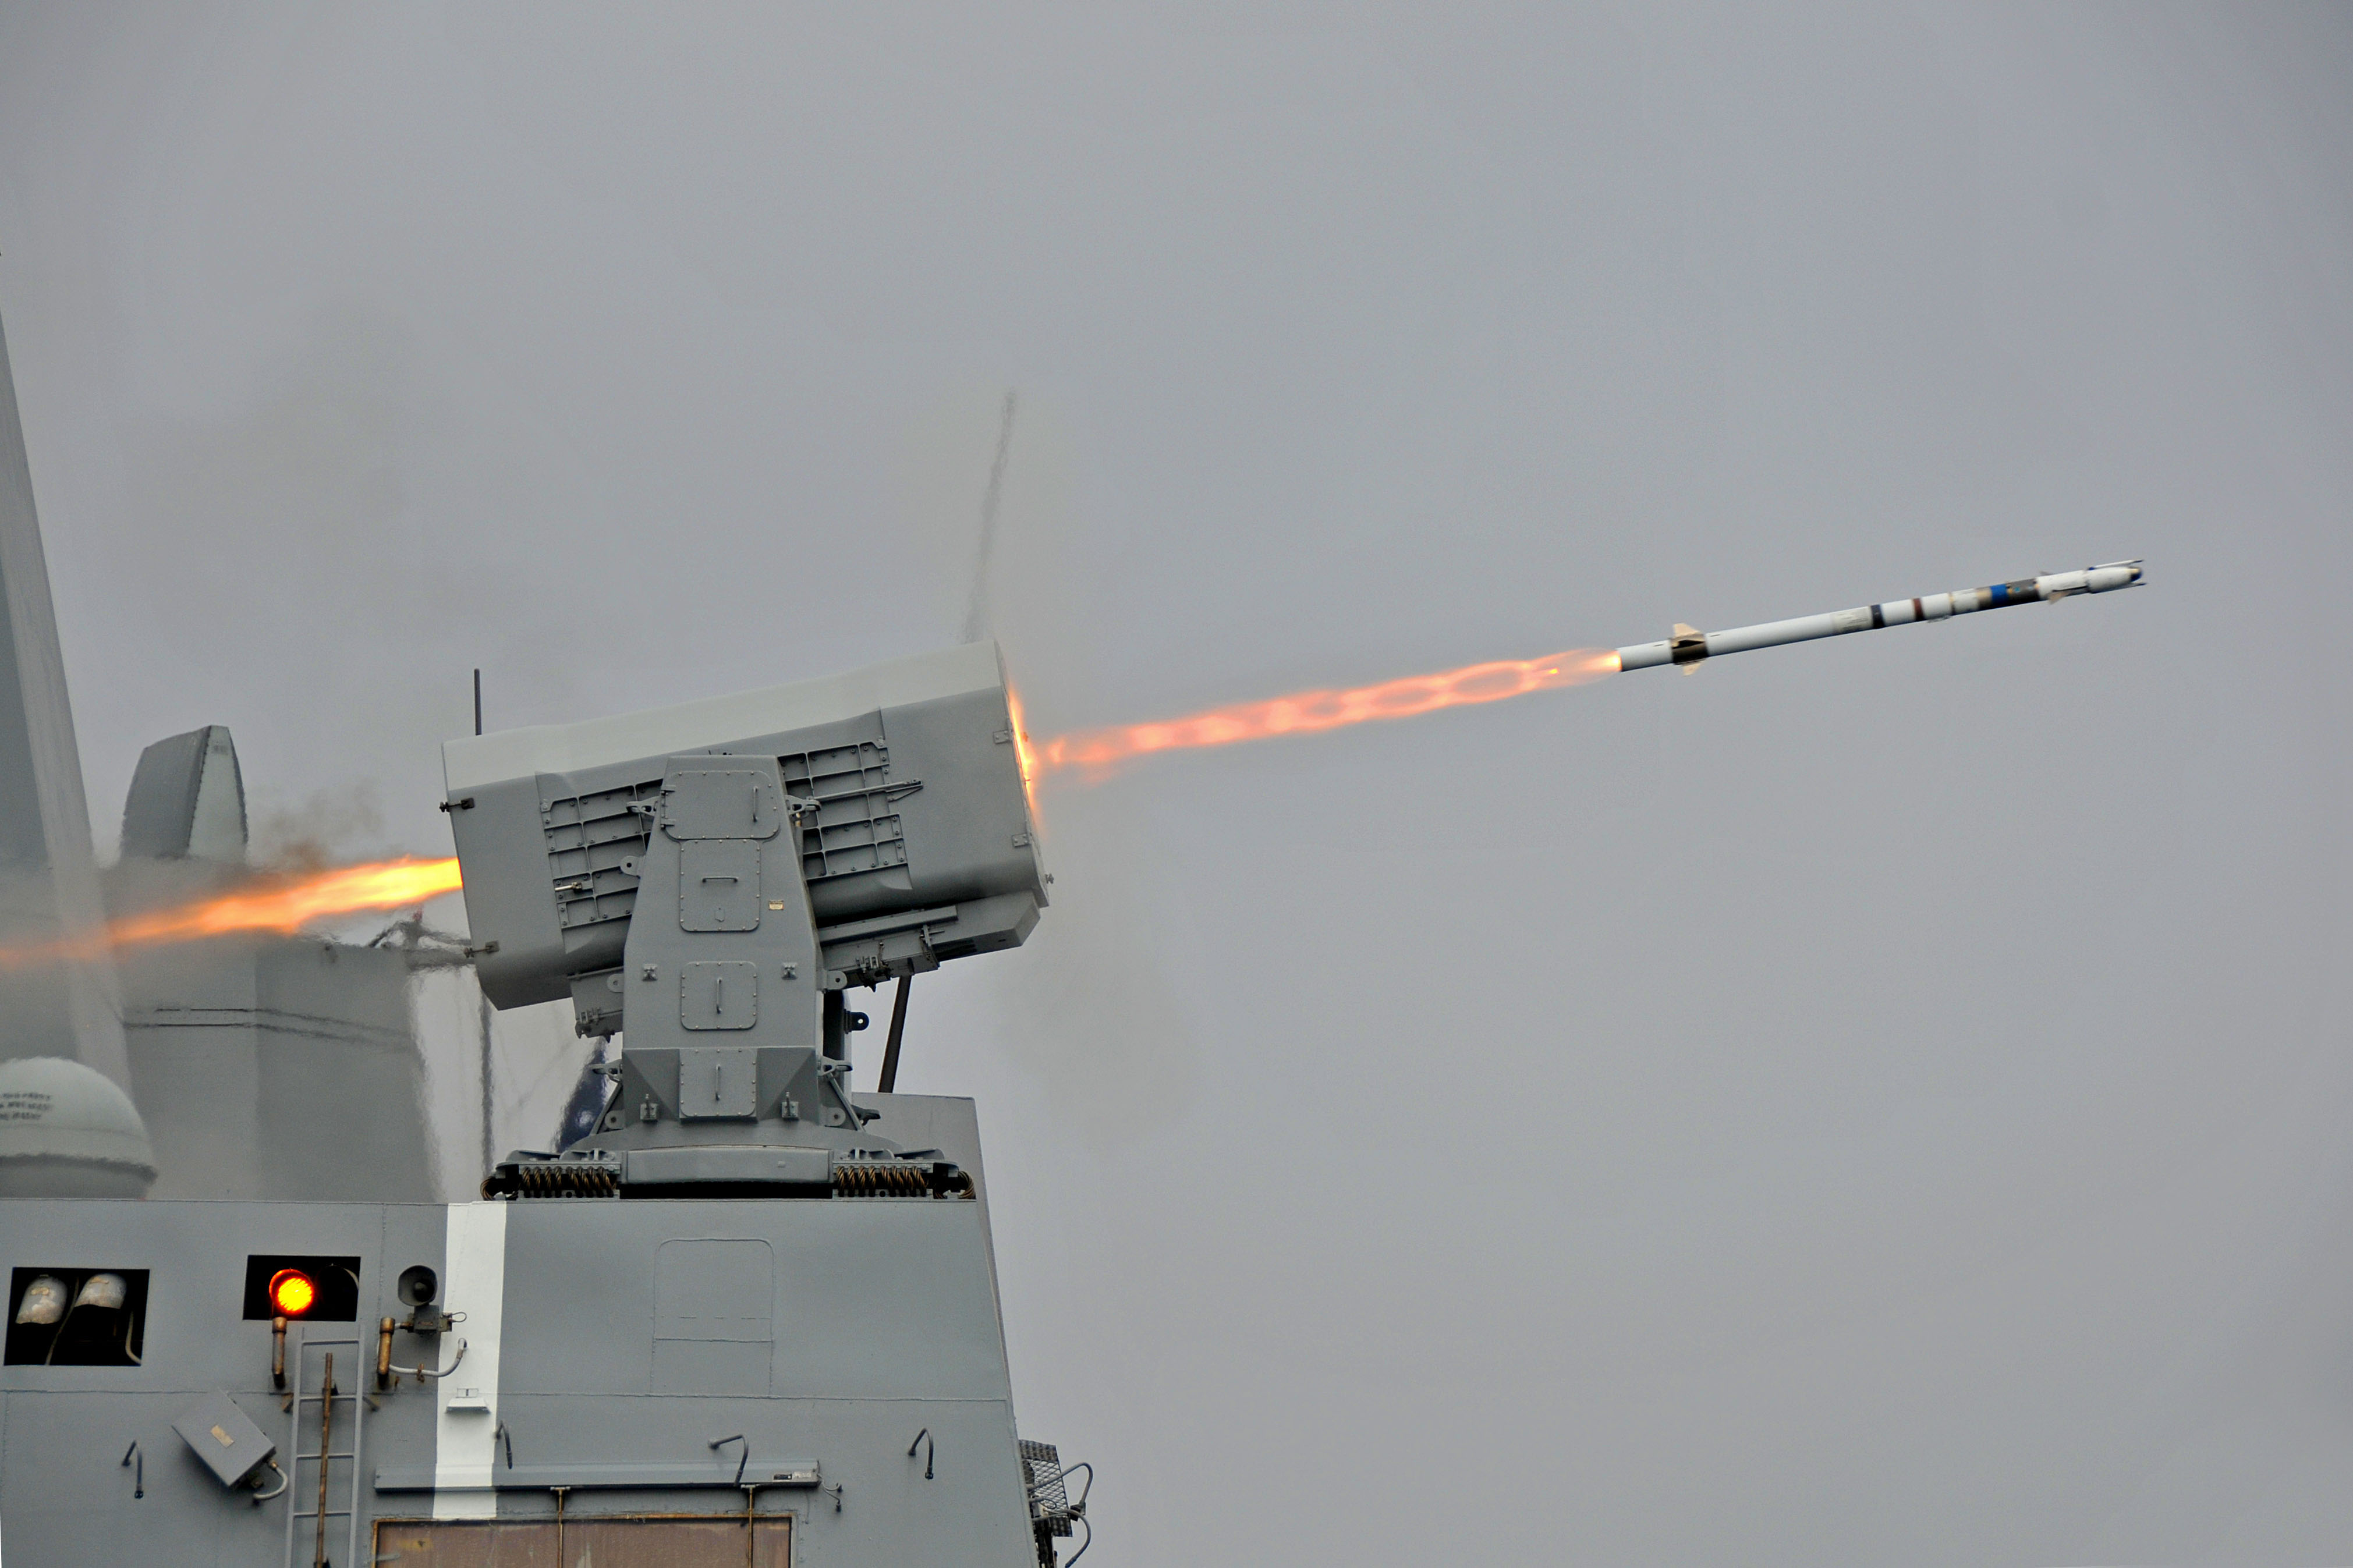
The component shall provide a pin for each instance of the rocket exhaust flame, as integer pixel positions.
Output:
(283, 904)
(1307, 712)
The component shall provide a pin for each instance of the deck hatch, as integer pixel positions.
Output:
(716, 1543)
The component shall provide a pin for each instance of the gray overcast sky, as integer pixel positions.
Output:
(1882, 1101)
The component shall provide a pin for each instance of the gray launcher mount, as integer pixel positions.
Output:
(712, 876)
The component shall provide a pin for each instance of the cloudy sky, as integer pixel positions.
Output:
(1882, 1100)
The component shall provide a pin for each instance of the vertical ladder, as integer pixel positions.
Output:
(310, 1403)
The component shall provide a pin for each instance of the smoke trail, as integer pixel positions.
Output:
(975, 613)
(339, 822)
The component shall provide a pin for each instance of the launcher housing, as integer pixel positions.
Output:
(708, 878)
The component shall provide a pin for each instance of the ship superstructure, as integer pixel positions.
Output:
(750, 1315)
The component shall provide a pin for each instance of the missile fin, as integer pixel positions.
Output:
(1688, 647)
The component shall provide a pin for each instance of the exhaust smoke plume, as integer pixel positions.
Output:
(311, 834)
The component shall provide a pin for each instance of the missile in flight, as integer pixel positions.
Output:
(1689, 645)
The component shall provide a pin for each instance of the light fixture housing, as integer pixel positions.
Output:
(44, 1300)
(107, 1293)
(292, 1293)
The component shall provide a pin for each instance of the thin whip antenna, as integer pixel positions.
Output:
(975, 613)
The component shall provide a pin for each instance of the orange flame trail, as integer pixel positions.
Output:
(281, 904)
(1305, 712)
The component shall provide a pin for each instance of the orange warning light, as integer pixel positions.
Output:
(293, 1292)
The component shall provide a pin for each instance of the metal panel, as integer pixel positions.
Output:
(719, 996)
(807, 1168)
(856, 825)
(719, 885)
(467, 1544)
(713, 1290)
(728, 723)
(721, 803)
(718, 1082)
(719, 1543)
(502, 837)
(713, 1305)
(914, 1278)
(677, 1544)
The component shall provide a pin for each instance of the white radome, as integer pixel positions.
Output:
(68, 1132)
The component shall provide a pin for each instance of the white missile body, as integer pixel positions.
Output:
(1689, 646)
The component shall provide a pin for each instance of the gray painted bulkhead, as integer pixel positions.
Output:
(629, 1335)
(279, 1067)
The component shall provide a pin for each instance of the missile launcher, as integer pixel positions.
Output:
(750, 1316)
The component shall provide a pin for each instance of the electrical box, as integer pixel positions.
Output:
(224, 1438)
